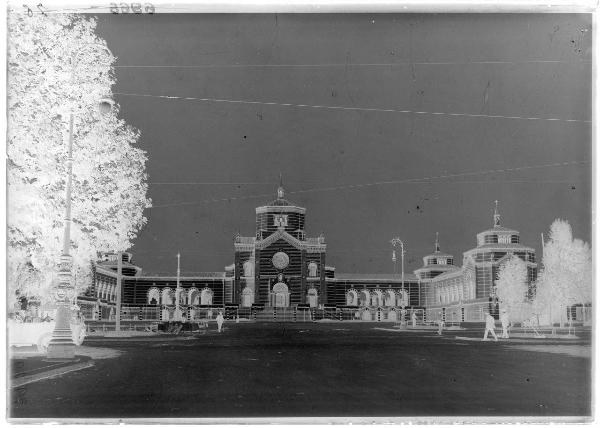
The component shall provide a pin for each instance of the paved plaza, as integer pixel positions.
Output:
(317, 369)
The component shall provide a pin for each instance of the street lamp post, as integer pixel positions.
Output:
(61, 346)
(178, 316)
(394, 242)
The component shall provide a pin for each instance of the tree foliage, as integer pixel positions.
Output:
(512, 288)
(56, 67)
(566, 278)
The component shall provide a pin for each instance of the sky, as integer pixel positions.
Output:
(341, 105)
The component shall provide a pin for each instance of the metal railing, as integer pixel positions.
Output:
(155, 313)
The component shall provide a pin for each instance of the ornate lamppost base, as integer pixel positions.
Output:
(61, 346)
(61, 352)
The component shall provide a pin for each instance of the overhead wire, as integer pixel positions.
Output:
(380, 183)
(346, 108)
(347, 64)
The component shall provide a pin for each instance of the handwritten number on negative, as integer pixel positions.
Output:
(136, 8)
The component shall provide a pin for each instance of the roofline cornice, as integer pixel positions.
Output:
(280, 209)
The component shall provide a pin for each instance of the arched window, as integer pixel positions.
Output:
(352, 298)
(194, 296)
(364, 298)
(248, 268)
(182, 296)
(312, 269)
(206, 296)
(168, 297)
(390, 298)
(376, 298)
(153, 296)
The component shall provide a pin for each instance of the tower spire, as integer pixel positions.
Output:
(437, 242)
(496, 215)
(280, 191)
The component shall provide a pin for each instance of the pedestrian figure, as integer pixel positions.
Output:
(505, 323)
(413, 317)
(490, 324)
(220, 321)
(440, 326)
(403, 316)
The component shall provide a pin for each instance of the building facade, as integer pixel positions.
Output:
(282, 267)
(466, 293)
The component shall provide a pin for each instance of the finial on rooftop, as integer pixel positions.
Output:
(496, 215)
(437, 241)
(280, 191)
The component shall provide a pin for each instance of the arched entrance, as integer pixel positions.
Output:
(247, 297)
(312, 297)
(280, 297)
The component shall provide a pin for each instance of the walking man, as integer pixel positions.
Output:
(220, 320)
(490, 324)
(413, 317)
(440, 326)
(505, 323)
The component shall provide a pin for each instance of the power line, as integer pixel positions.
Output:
(270, 183)
(379, 183)
(326, 107)
(342, 64)
(209, 183)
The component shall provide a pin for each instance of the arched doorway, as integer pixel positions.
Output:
(247, 297)
(312, 297)
(280, 297)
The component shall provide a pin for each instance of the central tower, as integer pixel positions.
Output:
(280, 266)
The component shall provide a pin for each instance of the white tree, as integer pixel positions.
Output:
(567, 275)
(56, 67)
(511, 287)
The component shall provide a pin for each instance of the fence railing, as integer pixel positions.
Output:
(276, 314)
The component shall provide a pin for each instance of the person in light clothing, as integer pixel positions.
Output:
(220, 321)
(490, 324)
(413, 317)
(505, 323)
